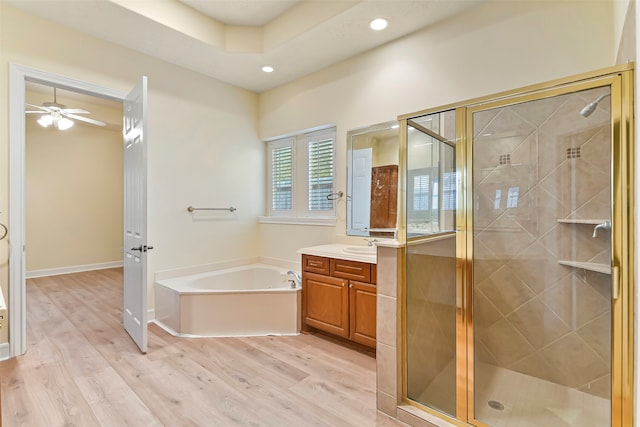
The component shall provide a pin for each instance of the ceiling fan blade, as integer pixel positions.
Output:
(38, 107)
(37, 112)
(74, 111)
(85, 119)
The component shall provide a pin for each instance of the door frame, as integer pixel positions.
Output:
(18, 76)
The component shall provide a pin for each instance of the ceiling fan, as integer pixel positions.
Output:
(59, 115)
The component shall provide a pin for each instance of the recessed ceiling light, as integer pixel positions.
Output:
(267, 69)
(378, 24)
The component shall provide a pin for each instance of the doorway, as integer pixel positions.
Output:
(73, 183)
(519, 291)
(18, 78)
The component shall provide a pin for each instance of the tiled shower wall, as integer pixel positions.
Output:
(533, 164)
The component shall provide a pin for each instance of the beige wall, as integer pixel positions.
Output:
(73, 194)
(203, 143)
(626, 26)
(494, 47)
(623, 12)
(385, 150)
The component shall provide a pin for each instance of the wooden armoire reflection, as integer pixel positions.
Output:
(384, 200)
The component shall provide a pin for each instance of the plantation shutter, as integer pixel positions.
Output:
(449, 188)
(421, 192)
(320, 174)
(281, 178)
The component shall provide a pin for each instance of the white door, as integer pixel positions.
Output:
(135, 214)
(361, 191)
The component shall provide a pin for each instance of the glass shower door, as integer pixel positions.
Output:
(431, 292)
(542, 276)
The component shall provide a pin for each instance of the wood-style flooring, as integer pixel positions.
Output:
(82, 369)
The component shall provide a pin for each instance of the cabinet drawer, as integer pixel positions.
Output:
(352, 270)
(315, 264)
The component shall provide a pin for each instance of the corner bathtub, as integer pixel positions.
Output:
(255, 299)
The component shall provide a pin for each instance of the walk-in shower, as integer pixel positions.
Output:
(517, 217)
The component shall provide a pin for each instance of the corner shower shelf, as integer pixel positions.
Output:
(591, 266)
(581, 221)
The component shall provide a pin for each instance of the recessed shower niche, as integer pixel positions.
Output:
(517, 256)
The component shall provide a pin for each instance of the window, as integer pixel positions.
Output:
(320, 173)
(282, 176)
(301, 176)
(421, 192)
(425, 201)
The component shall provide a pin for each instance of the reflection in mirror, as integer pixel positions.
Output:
(431, 174)
(372, 180)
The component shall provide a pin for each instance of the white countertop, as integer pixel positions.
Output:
(337, 250)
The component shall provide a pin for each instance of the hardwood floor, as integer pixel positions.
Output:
(82, 369)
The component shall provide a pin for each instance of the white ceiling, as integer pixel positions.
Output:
(242, 12)
(231, 39)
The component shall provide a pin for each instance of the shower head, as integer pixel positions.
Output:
(591, 107)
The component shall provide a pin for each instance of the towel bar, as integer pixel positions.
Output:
(230, 209)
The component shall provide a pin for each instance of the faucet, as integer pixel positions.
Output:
(296, 279)
(604, 226)
(370, 242)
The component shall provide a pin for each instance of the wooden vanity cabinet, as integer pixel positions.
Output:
(339, 297)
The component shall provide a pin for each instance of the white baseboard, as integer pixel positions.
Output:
(4, 351)
(151, 315)
(72, 269)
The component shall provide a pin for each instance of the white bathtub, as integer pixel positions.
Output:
(255, 299)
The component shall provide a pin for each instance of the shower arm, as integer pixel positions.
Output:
(588, 109)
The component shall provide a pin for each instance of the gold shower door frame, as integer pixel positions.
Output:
(620, 81)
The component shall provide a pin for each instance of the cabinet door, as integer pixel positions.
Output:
(362, 302)
(326, 301)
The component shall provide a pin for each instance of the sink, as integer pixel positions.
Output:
(365, 250)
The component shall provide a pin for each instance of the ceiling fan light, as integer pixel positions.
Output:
(46, 120)
(64, 123)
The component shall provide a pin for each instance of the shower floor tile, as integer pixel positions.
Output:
(528, 401)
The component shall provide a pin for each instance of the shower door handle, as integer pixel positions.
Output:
(615, 282)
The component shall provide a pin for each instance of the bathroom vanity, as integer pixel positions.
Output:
(339, 292)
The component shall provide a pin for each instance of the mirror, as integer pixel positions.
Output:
(372, 180)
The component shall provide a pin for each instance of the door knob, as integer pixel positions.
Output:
(142, 248)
